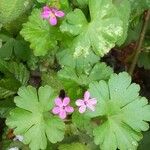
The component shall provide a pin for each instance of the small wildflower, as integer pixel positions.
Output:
(51, 14)
(19, 138)
(62, 107)
(86, 103)
(14, 148)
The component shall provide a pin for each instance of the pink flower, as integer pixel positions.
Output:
(86, 103)
(62, 107)
(51, 14)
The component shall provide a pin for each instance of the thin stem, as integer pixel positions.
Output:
(139, 45)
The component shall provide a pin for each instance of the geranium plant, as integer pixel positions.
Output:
(71, 74)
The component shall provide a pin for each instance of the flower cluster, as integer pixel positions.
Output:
(51, 14)
(62, 107)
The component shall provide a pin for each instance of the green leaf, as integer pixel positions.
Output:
(42, 36)
(123, 6)
(103, 31)
(134, 31)
(144, 143)
(42, 1)
(82, 2)
(5, 144)
(15, 71)
(64, 5)
(7, 49)
(52, 79)
(11, 45)
(12, 9)
(81, 122)
(73, 146)
(15, 75)
(138, 7)
(74, 81)
(8, 87)
(32, 119)
(124, 114)
(5, 107)
(66, 58)
(21, 50)
(144, 60)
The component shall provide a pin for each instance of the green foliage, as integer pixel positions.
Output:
(5, 144)
(81, 63)
(82, 2)
(73, 146)
(32, 119)
(16, 25)
(134, 32)
(75, 81)
(123, 7)
(12, 46)
(12, 9)
(82, 122)
(42, 1)
(15, 75)
(144, 143)
(5, 107)
(14, 70)
(42, 36)
(7, 49)
(103, 31)
(8, 87)
(144, 58)
(138, 7)
(52, 79)
(122, 111)
(67, 57)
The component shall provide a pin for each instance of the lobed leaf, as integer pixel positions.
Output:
(32, 119)
(41, 35)
(124, 114)
(104, 30)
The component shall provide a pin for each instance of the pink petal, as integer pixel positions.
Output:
(80, 102)
(82, 109)
(53, 9)
(53, 20)
(62, 114)
(91, 107)
(58, 102)
(69, 109)
(46, 8)
(45, 15)
(92, 101)
(59, 13)
(86, 95)
(56, 110)
(46, 12)
(66, 101)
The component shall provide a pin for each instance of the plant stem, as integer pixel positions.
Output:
(140, 42)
